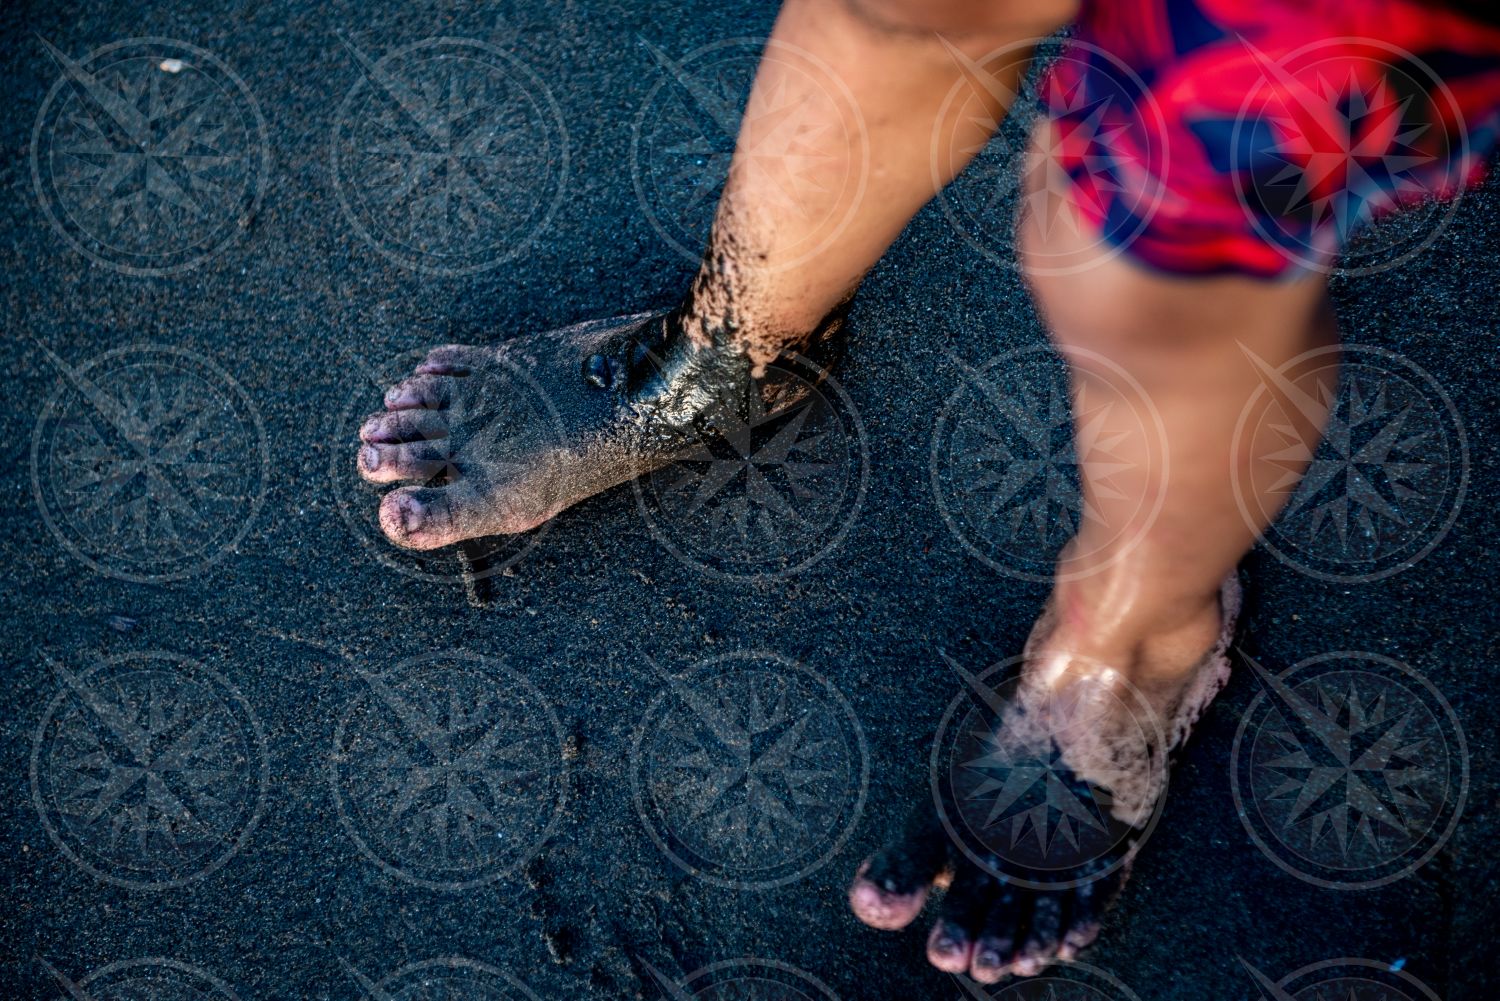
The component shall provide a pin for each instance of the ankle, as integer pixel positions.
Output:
(722, 310)
(1145, 640)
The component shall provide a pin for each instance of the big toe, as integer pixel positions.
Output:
(429, 517)
(892, 885)
(883, 906)
(433, 517)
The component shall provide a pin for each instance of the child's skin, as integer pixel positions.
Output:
(628, 391)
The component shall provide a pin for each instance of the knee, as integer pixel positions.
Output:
(1122, 320)
(1162, 330)
(960, 17)
(1095, 300)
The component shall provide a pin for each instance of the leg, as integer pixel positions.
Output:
(1197, 351)
(1136, 607)
(790, 242)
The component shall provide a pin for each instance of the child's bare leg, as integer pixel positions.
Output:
(1137, 603)
(1197, 350)
(795, 231)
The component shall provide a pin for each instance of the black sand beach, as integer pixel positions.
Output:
(271, 871)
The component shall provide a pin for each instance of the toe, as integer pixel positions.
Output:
(433, 392)
(996, 948)
(428, 517)
(420, 460)
(395, 426)
(454, 359)
(1084, 912)
(893, 884)
(432, 517)
(950, 947)
(881, 908)
(1043, 936)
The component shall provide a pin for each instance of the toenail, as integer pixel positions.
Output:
(412, 515)
(988, 957)
(370, 457)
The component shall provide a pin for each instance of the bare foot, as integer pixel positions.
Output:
(1045, 785)
(499, 439)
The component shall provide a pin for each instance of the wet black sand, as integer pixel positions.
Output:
(300, 608)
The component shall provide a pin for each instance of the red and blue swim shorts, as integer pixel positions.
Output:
(1261, 137)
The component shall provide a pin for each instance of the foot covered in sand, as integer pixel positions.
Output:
(1045, 782)
(495, 440)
